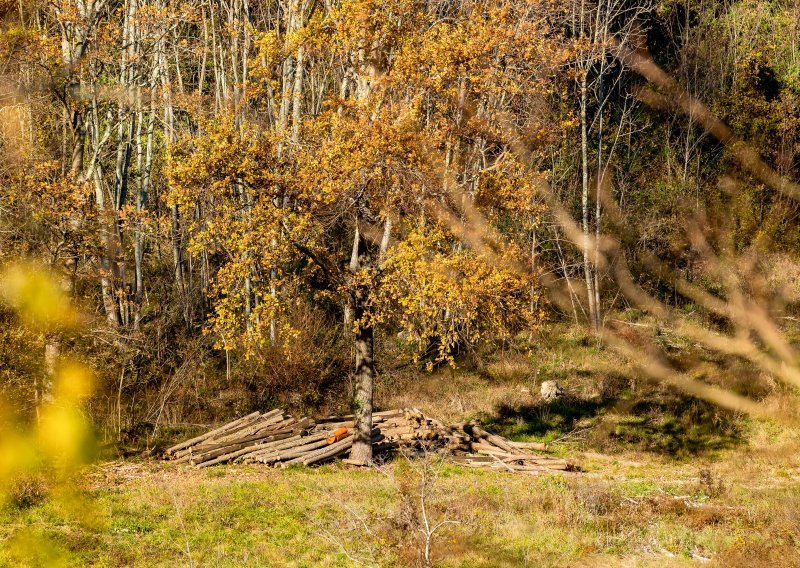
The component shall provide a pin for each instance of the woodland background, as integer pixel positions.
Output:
(239, 194)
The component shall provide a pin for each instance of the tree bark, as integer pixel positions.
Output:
(348, 308)
(587, 264)
(364, 368)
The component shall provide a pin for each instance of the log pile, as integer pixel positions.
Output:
(278, 439)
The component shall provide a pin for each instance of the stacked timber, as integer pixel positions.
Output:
(251, 433)
(278, 439)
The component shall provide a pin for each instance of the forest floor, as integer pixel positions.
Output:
(667, 481)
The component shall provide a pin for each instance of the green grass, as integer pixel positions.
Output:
(648, 513)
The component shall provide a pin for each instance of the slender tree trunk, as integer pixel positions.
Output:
(79, 141)
(365, 346)
(297, 97)
(533, 271)
(387, 235)
(52, 350)
(201, 81)
(286, 72)
(597, 204)
(348, 308)
(141, 206)
(587, 264)
(169, 140)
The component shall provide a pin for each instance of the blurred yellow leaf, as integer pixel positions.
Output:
(73, 383)
(34, 293)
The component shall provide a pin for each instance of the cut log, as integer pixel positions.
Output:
(292, 453)
(228, 435)
(253, 438)
(207, 435)
(484, 448)
(257, 432)
(245, 451)
(530, 446)
(273, 422)
(206, 456)
(350, 417)
(269, 417)
(554, 466)
(328, 452)
(476, 432)
(349, 424)
(338, 434)
(272, 449)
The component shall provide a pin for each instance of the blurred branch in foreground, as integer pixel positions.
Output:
(747, 310)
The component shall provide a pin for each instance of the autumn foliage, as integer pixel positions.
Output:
(215, 184)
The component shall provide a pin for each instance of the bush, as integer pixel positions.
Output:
(27, 491)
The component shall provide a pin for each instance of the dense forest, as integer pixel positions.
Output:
(221, 206)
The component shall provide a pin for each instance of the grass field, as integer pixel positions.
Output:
(667, 481)
(738, 512)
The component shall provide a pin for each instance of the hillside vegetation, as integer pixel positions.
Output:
(573, 222)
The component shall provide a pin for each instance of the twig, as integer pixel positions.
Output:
(630, 323)
(571, 434)
(183, 525)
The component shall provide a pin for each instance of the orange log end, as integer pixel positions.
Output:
(337, 435)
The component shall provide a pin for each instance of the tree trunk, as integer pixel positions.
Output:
(587, 264)
(365, 363)
(297, 96)
(597, 211)
(348, 308)
(43, 391)
(141, 206)
(364, 377)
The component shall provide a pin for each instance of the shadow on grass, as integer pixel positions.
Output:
(543, 421)
(659, 421)
(679, 426)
